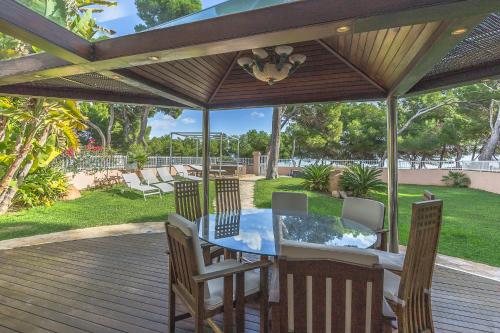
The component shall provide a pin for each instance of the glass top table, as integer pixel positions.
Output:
(257, 230)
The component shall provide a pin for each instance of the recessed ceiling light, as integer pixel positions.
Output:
(38, 76)
(116, 77)
(458, 32)
(154, 58)
(344, 28)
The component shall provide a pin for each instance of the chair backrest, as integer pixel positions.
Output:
(418, 267)
(429, 195)
(187, 200)
(131, 179)
(186, 258)
(368, 212)
(181, 170)
(329, 289)
(165, 174)
(227, 194)
(289, 201)
(150, 176)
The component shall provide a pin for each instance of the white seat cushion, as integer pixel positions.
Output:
(388, 260)
(216, 286)
(391, 286)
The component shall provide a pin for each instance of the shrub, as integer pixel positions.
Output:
(316, 177)
(43, 187)
(358, 180)
(456, 179)
(137, 154)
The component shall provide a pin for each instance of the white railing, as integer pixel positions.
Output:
(121, 162)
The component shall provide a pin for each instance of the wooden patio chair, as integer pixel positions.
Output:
(429, 195)
(328, 289)
(227, 195)
(187, 205)
(370, 213)
(409, 295)
(209, 290)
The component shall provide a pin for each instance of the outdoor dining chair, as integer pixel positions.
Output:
(227, 195)
(289, 202)
(181, 171)
(187, 205)
(328, 289)
(409, 295)
(149, 175)
(370, 213)
(165, 174)
(209, 290)
(133, 182)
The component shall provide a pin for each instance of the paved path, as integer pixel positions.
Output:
(247, 186)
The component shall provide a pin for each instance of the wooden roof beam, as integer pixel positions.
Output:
(437, 47)
(24, 24)
(352, 66)
(304, 21)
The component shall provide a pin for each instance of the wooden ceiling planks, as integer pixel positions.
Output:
(385, 54)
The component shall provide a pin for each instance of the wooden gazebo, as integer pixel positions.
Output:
(356, 50)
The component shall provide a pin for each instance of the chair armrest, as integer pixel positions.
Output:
(231, 271)
(384, 233)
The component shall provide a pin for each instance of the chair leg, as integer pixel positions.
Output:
(264, 300)
(171, 315)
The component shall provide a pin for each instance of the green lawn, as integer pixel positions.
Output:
(95, 208)
(471, 227)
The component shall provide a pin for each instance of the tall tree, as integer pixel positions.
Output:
(154, 12)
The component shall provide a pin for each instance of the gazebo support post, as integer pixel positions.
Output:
(392, 171)
(171, 155)
(206, 159)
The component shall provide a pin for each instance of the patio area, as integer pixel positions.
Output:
(120, 284)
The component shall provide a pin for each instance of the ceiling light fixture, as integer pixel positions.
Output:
(272, 65)
(344, 28)
(459, 32)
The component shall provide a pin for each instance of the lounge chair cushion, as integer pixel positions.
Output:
(164, 187)
(216, 286)
(165, 174)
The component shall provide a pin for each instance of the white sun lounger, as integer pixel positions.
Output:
(181, 171)
(149, 176)
(134, 183)
(165, 175)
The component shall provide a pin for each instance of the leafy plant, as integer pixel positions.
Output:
(358, 180)
(316, 177)
(42, 188)
(456, 179)
(137, 154)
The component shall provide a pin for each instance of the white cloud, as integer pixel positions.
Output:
(257, 114)
(187, 120)
(162, 124)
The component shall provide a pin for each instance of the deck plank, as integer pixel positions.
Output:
(119, 284)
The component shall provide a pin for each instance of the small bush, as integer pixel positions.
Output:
(137, 154)
(42, 188)
(316, 177)
(456, 179)
(358, 180)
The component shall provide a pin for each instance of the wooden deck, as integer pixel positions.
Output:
(119, 284)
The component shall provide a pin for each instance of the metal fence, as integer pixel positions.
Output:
(121, 162)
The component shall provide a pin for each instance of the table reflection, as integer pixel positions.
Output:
(259, 230)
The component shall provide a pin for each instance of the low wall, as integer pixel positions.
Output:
(84, 180)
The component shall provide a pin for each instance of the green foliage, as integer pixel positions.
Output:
(358, 180)
(456, 179)
(154, 12)
(316, 177)
(42, 188)
(137, 154)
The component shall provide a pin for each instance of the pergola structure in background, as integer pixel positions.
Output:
(198, 136)
(356, 50)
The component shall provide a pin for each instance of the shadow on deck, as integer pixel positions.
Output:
(119, 284)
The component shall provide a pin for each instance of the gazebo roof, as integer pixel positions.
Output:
(392, 47)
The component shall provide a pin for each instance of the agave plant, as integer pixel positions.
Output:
(316, 177)
(456, 179)
(358, 180)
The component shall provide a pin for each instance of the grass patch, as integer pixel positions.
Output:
(116, 205)
(471, 222)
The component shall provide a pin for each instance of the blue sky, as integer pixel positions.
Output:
(122, 19)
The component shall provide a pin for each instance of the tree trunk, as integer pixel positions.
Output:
(293, 152)
(491, 144)
(441, 157)
(126, 127)
(144, 126)
(274, 145)
(110, 124)
(459, 155)
(3, 127)
(99, 131)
